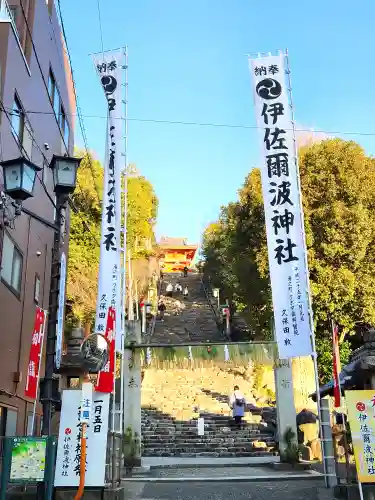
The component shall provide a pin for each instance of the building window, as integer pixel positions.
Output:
(49, 4)
(13, 13)
(64, 125)
(8, 421)
(51, 86)
(37, 289)
(54, 94)
(18, 119)
(11, 265)
(27, 139)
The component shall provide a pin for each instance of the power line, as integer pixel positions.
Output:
(218, 125)
(61, 134)
(80, 119)
(46, 88)
(45, 161)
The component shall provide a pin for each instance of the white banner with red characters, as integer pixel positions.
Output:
(31, 390)
(106, 377)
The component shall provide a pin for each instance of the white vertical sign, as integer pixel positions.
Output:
(283, 216)
(109, 67)
(60, 311)
(67, 469)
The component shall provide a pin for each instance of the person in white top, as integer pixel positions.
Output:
(169, 290)
(238, 404)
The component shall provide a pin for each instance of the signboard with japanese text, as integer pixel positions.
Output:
(106, 377)
(68, 458)
(61, 311)
(109, 68)
(36, 348)
(282, 208)
(361, 415)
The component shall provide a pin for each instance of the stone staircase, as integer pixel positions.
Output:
(196, 320)
(174, 399)
(164, 436)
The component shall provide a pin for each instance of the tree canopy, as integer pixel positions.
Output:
(337, 180)
(85, 228)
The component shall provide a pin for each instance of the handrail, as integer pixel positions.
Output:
(217, 317)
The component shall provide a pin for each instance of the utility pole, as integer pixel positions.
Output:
(47, 386)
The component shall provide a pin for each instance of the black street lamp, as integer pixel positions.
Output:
(19, 180)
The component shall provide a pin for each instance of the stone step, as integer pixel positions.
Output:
(193, 431)
(236, 434)
(193, 428)
(194, 421)
(244, 445)
(209, 454)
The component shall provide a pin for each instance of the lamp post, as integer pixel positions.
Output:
(19, 181)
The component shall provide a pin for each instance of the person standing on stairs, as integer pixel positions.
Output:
(169, 290)
(237, 403)
(186, 292)
(161, 309)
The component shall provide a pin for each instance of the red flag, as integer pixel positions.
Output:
(106, 377)
(31, 389)
(336, 366)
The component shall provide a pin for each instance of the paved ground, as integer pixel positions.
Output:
(292, 490)
(229, 472)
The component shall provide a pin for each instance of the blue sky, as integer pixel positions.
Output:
(187, 62)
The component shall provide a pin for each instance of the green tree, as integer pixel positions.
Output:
(84, 252)
(142, 211)
(337, 180)
(85, 234)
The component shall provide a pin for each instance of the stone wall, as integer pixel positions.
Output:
(179, 392)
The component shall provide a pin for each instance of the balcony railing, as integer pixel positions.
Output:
(7, 16)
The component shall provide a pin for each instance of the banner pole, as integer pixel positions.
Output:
(311, 317)
(38, 379)
(360, 490)
(124, 250)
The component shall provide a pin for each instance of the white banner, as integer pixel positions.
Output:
(68, 457)
(60, 311)
(109, 68)
(285, 235)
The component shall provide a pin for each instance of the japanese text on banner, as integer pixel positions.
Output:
(286, 249)
(31, 389)
(109, 67)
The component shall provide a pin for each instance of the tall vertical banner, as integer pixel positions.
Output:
(109, 66)
(282, 208)
(31, 389)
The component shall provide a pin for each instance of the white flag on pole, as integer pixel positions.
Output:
(109, 66)
(283, 215)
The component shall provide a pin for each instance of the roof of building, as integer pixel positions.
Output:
(176, 243)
